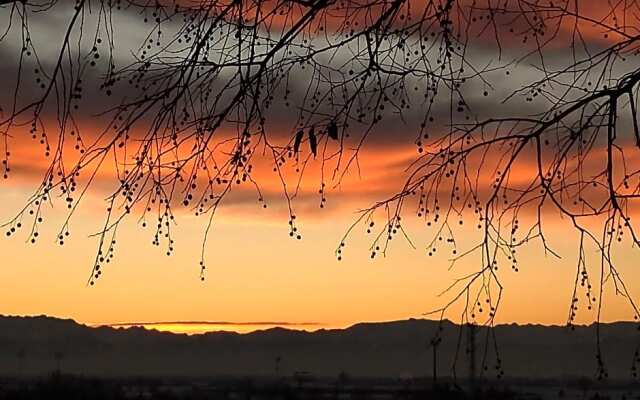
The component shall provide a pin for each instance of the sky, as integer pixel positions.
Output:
(257, 276)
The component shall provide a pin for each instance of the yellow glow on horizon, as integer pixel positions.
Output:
(200, 328)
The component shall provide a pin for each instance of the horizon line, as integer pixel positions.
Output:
(212, 323)
(337, 326)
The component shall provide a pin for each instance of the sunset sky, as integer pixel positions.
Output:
(257, 276)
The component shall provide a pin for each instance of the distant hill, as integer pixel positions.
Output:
(37, 345)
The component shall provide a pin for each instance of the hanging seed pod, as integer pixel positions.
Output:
(332, 130)
(297, 141)
(313, 142)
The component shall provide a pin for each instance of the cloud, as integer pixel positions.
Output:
(388, 151)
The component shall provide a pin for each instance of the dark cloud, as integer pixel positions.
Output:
(397, 130)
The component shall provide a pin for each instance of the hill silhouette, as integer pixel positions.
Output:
(38, 345)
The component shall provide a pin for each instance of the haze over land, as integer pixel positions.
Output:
(29, 346)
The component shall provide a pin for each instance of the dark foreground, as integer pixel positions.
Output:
(68, 387)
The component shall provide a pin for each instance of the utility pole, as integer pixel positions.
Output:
(434, 347)
(22, 354)
(471, 348)
(278, 361)
(58, 356)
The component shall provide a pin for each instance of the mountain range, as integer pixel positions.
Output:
(39, 345)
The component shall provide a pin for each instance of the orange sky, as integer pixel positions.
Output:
(257, 273)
